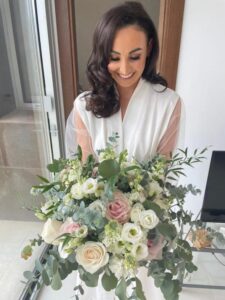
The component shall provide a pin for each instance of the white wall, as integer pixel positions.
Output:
(201, 83)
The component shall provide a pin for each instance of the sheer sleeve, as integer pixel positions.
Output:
(82, 135)
(169, 139)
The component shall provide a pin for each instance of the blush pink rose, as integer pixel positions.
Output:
(155, 248)
(69, 227)
(119, 209)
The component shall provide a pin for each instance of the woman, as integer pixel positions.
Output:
(127, 95)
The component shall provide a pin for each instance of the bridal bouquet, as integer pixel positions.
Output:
(108, 218)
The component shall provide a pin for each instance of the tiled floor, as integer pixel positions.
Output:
(14, 235)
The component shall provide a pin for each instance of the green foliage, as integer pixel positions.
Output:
(109, 168)
(109, 281)
(121, 289)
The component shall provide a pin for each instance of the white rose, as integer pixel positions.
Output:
(76, 191)
(135, 212)
(148, 219)
(92, 256)
(131, 233)
(51, 231)
(139, 251)
(155, 188)
(90, 186)
(98, 206)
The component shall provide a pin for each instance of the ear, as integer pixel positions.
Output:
(150, 45)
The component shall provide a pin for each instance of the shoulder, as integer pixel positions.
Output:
(80, 101)
(160, 94)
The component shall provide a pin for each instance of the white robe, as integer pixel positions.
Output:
(143, 126)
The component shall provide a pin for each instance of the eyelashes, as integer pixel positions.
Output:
(133, 58)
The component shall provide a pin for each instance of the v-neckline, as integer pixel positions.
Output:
(123, 118)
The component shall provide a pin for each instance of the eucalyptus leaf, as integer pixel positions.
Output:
(109, 282)
(56, 283)
(108, 168)
(121, 289)
(45, 277)
(28, 275)
(167, 230)
(139, 291)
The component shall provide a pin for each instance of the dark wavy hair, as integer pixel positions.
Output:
(103, 100)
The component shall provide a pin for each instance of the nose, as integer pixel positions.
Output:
(124, 67)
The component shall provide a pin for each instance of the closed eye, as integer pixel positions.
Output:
(135, 57)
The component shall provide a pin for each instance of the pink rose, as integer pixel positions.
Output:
(119, 209)
(69, 227)
(155, 248)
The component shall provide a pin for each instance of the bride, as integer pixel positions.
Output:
(127, 96)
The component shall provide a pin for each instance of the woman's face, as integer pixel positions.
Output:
(128, 56)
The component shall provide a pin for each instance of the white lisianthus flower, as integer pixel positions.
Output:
(155, 189)
(116, 267)
(148, 219)
(131, 233)
(98, 206)
(51, 231)
(82, 232)
(90, 186)
(135, 212)
(92, 256)
(139, 251)
(76, 191)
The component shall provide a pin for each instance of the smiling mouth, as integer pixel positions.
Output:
(126, 76)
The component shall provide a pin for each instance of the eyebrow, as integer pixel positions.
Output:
(132, 51)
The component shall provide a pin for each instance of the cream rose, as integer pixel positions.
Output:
(92, 256)
(51, 231)
(148, 219)
(131, 233)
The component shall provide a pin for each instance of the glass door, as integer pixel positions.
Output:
(29, 138)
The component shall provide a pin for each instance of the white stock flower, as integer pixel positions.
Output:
(116, 266)
(92, 256)
(155, 188)
(76, 191)
(139, 251)
(135, 212)
(51, 231)
(131, 233)
(90, 186)
(98, 206)
(72, 175)
(148, 219)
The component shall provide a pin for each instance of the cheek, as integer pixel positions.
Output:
(111, 67)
